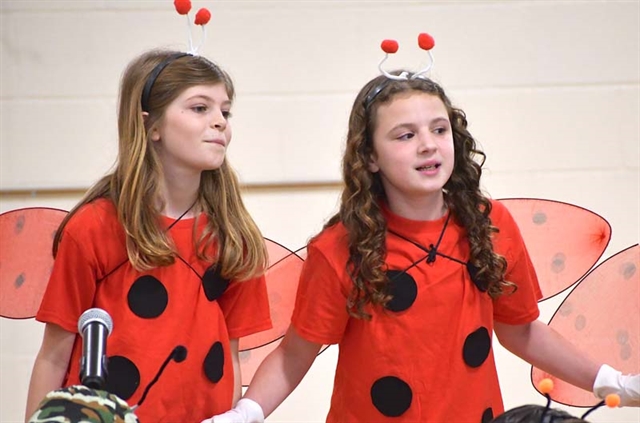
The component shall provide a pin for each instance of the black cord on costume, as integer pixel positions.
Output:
(189, 265)
(546, 408)
(179, 354)
(178, 255)
(169, 227)
(595, 407)
(182, 215)
(432, 251)
(415, 263)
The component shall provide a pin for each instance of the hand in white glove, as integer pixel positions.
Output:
(610, 381)
(245, 411)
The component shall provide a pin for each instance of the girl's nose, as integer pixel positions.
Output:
(218, 121)
(427, 142)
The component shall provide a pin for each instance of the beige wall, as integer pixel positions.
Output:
(551, 89)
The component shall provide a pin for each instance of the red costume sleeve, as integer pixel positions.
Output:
(320, 313)
(245, 306)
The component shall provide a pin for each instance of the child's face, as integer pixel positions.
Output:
(413, 148)
(194, 132)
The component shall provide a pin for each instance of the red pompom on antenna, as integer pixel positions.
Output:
(182, 6)
(389, 46)
(425, 41)
(545, 386)
(203, 16)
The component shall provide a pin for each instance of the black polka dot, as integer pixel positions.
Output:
(487, 415)
(123, 377)
(147, 297)
(19, 224)
(179, 354)
(19, 280)
(213, 283)
(539, 218)
(558, 262)
(391, 396)
(626, 352)
(628, 270)
(473, 274)
(214, 363)
(476, 347)
(244, 356)
(403, 290)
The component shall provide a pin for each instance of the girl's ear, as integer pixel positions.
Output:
(154, 135)
(373, 165)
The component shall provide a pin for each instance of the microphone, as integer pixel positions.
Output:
(94, 325)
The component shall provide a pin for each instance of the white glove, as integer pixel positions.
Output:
(610, 381)
(245, 411)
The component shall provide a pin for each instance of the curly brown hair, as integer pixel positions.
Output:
(360, 211)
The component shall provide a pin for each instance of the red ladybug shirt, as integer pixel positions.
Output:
(153, 312)
(426, 356)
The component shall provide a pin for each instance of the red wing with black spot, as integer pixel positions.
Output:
(26, 258)
(601, 317)
(564, 241)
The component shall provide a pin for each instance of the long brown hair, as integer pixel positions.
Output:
(134, 185)
(360, 211)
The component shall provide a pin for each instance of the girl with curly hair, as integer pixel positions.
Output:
(412, 277)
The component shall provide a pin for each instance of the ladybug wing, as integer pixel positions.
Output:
(282, 277)
(600, 316)
(25, 258)
(564, 241)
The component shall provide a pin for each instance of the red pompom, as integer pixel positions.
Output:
(425, 41)
(389, 46)
(203, 16)
(182, 6)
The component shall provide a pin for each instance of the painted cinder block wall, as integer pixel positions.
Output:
(551, 90)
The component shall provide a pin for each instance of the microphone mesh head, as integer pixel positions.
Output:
(95, 315)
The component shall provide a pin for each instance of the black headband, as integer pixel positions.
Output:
(374, 93)
(146, 92)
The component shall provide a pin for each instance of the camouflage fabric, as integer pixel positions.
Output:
(79, 404)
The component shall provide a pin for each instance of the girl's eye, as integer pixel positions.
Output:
(406, 136)
(226, 114)
(199, 109)
(442, 129)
